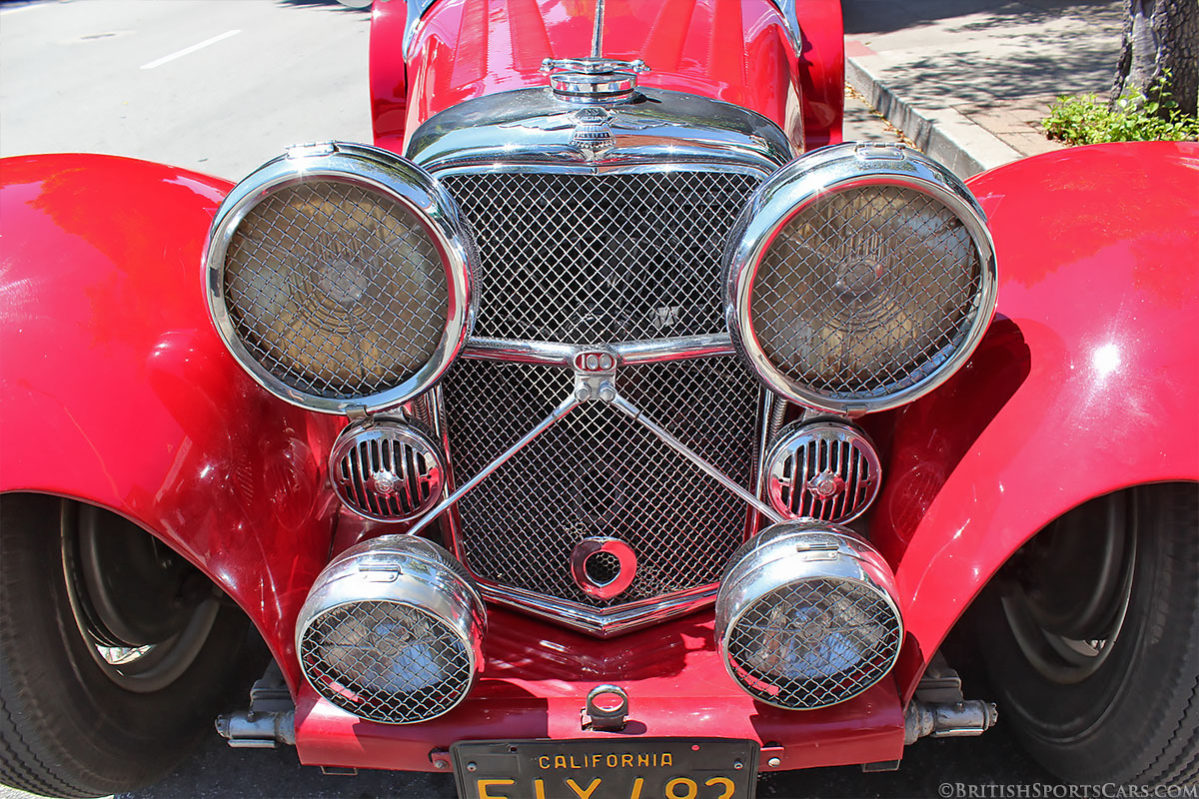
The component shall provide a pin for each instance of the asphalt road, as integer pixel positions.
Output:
(221, 86)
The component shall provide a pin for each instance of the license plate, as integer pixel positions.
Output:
(608, 768)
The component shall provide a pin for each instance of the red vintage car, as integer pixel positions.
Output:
(606, 428)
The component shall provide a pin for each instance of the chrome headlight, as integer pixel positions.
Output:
(859, 277)
(339, 276)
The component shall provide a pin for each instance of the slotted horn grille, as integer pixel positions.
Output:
(386, 470)
(822, 470)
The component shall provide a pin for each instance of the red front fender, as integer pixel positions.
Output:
(1088, 381)
(117, 391)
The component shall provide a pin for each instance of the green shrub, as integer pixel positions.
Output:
(1087, 119)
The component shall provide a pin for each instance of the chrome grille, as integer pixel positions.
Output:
(386, 661)
(598, 473)
(584, 259)
(814, 643)
(336, 290)
(866, 292)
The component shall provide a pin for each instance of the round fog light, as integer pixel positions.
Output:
(807, 617)
(392, 631)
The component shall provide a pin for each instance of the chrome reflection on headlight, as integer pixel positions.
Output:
(392, 631)
(806, 616)
(339, 276)
(859, 277)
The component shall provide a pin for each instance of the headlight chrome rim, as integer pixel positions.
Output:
(815, 177)
(374, 170)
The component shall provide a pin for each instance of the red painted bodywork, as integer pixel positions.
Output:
(117, 391)
(1088, 381)
(730, 50)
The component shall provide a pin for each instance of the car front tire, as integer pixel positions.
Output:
(1091, 639)
(104, 686)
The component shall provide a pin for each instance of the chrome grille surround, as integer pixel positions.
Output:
(859, 278)
(386, 470)
(807, 616)
(826, 470)
(648, 294)
(392, 631)
(339, 277)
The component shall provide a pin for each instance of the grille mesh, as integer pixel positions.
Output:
(598, 473)
(866, 292)
(385, 661)
(336, 290)
(814, 643)
(583, 259)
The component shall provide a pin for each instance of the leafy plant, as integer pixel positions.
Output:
(1087, 119)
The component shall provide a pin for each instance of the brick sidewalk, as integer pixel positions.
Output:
(970, 80)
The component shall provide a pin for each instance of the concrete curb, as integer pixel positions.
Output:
(944, 134)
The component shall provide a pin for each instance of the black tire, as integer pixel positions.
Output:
(67, 727)
(1124, 707)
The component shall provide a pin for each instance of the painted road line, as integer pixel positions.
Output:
(158, 62)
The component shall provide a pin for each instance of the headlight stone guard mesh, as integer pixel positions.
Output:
(866, 291)
(386, 661)
(335, 289)
(814, 643)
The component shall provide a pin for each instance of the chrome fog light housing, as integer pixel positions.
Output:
(339, 277)
(859, 277)
(392, 631)
(807, 616)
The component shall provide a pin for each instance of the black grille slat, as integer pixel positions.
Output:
(584, 259)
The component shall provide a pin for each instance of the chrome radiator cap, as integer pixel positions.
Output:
(807, 616)
(392, 631)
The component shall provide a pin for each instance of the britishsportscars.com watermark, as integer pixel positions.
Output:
(1044, 790)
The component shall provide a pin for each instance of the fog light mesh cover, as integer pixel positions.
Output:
(806, 616)
(392, 631)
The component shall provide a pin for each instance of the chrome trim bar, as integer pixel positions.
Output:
(601, 622)
(637, 415)
(674, 349)
(498, 349)
(566, 406)
(597, 36)
(627, 353)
